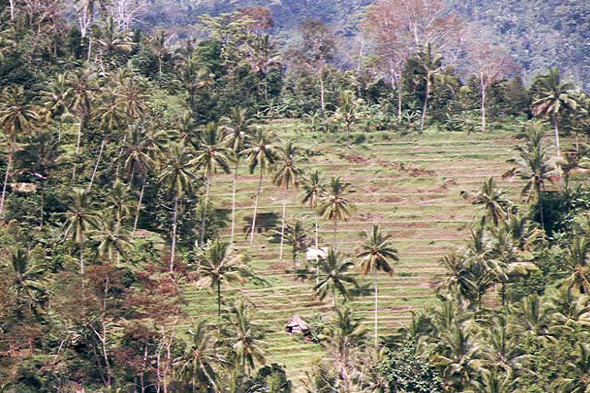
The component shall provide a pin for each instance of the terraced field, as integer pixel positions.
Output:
(411, 186)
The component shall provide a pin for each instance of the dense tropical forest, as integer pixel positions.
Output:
(299, 196)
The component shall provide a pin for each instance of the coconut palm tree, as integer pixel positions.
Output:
(346, 112)
(578, 372)
(286, 174)
(178, 176)
(260, 154)
(16, 116)
(493, 381)
(111, 237)
(244, 337)
(313, 191)
(211, 156)
(335, 204)
(119, 202)
(238, 131)
(493, 203)
(553, 99)
(56, 99)
(80, 219)
(335, 275)
(26, 280)
(576, 263)
(295, 235)
(377, 254)
(525, 233)
(200, 358)
(218, 264)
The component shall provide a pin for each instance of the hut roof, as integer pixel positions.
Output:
(296, 321)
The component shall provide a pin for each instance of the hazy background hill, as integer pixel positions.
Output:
(537, 33)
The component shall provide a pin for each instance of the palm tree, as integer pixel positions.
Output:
(313, 191)
(335, 274)
(26, 279)
(158, 45)
(431, 64)
(178, 176)
(286, 173)
(238, 129)
(119, 202)
(377, 254)
(532, 317)
(83, 86)
(295, 236)
(577, 265)
(200, 357)
(16, 116)
(244, 337)
(554, 97)
(534, 167)
(260, 154)
(524, 232)
(112, 239)
(346, 112)
(80, 220)
(578, 371)
(493, 382)
(218, 265)
(56, 99)
(493, 202)
(335, 204)
(212, 156)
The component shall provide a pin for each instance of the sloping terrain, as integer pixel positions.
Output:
(410, 186)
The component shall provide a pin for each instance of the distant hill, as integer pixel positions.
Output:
(537, 33)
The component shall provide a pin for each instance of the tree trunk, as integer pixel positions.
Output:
(316, 232)
(12, 10)
(376, 299)
(89, 49)
(233, 203)
(283, 223)
(256, 208)
(59, 126)
(138, 207)
(6, 175)
(335, 231)
(483, 104)
(204, 218)
(41, 221)
(219, 307)
(425, 105)
(81, 260)
(173, 250)
(557, 148)
(322, 99)
(80, 125)
(96, 165)
(347, 135)
(399, 103)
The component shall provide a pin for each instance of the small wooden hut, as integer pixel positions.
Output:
(297, 325)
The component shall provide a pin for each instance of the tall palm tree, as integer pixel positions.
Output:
(119, 202)
(553, 99)
(286, 174)
(493, 381)
(112, 238)
(576, 262)
(313, 191)
(80, 220)
(83, 87)
(200, 358)
(493, 203)
(56, 99)
(335, 204)
(335, 275)
(260, 154)
(218, 264)
(178, 176)
(376, 254)
(244, 337)
(238, 131)
(578, 372)
(211, 156)
(347, 112)
(26, 278)
(158, 44)
(16, 116)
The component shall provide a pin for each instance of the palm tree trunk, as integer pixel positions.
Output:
(333, 296)
(138, 207)
(557, 147)
(483, 104)
(12, 10)
(283, 223)
(399, 103)
(202, 236)
(41, 221)
(256, 208)
(79, 138)
(173, 248)
(6, 175)
(233, 203)
(425, 105)
(335, 231)
(96, 165)
(376, 299)
(219, 307)
(322, 99)
(316, 232)
(81, 260)
(347, 135)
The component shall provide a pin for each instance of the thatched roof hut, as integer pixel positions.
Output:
(297, 325)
